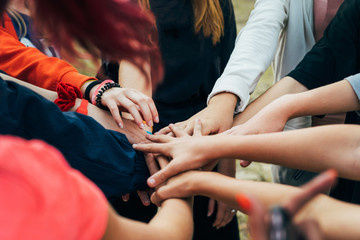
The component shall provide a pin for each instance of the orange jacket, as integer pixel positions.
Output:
(31, 65)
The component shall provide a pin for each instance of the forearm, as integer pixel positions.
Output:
(49, 95)
(287, 85)
(173, 221)
(334, 98)
(337, 220)
(314, 149)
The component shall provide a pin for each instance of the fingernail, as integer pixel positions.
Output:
(142, 126)
(151, 181)
(147, 203)
(244, 202)
(150, 123)
(121, 125)
(209, 214)
(156, 119)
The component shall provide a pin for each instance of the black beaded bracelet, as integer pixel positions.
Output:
(106, 86)
(88, 89)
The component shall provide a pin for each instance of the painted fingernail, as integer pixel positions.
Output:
(147, 203)
(150, 123)
(151, 181)
(156, 119)
(244, 202)
(142, 125)
(121, 125)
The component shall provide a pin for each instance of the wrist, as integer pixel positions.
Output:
(225, 101)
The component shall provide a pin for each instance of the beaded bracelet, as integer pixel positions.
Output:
(104, 86)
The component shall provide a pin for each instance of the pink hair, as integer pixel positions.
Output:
(118, 29)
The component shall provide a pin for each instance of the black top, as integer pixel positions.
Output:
(335, 57)
(337, 54)
(192, 63)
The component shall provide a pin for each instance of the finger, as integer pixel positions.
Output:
(256, 212)
(178, 132)
(211, 207)
(318, 185)
(151, 163)
(245, 163)
(197, 128)
(161, 176)
(144, 197)
(228, 215)
(159, 138)
(143, 103)
(163, 162)
(114, 109)
(133, 109)
(126, 197)
(149, 147)
(163, 131)
(156, 199)
(220, 214)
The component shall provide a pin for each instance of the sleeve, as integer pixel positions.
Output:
(255, 48)
(31, 65)
(354, 81)
(336, 55)
(106, 157)
(41, 186)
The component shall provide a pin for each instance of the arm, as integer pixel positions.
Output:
(308, 149)
(173, 221)
(36, 68)
(274, 116)
(255, 48)
(337, 220)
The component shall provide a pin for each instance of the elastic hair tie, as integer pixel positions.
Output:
(104, 86)
(67, 95)
(89, 87)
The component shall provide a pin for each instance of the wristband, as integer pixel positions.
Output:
(89, 87)
(67, 95)
(83, 107)
(94, 96)
(104, 86)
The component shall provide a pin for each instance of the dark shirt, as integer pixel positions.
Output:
(192, 63)
(106, 157)
(335, 57)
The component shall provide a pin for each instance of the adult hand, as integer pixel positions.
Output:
(186, 153)
(262, 222)
(224, 213)
(141, 107)
(270, 119)
(215, 118)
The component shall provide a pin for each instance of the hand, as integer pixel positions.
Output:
(141, 107)
(186, 153)
(260, 219)
(269, 119)
(179, 186)
(216, 117)
(224, 213)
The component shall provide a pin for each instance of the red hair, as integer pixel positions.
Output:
(119, 29)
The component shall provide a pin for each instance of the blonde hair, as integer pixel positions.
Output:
(208, 17)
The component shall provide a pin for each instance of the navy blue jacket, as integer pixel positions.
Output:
(106, 157)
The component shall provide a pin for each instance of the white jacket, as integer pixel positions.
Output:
(271, 34)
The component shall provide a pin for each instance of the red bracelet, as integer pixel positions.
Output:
(67, 95)
(93, 98)
(83, 107)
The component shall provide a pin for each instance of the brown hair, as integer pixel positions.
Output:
(208, 16)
